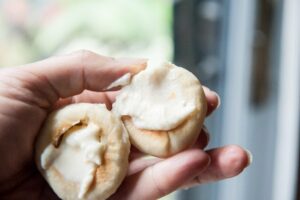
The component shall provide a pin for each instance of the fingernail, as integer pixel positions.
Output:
(187, 187)
(219, 99)
(206, 89)
(250, 157)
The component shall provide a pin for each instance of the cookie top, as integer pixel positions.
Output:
(160, 97)
(163, 108)
(83, 151)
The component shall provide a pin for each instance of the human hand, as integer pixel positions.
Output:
(28, 93)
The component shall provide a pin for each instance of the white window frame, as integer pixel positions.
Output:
(287, 145)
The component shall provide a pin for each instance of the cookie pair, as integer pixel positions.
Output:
(82, 150)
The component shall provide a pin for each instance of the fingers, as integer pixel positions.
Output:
(69, 75)
(191, 167)
(213, 100)
(226, 162)
(163, 177)
(140, 161)
(203, 139)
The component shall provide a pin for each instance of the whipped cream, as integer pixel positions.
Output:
(155, 99)
(123, 80)
(77, 156)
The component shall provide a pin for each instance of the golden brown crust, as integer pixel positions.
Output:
(108, 175)
(167, 143)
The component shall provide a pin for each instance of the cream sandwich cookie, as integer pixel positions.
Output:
(163, 108)
(82, 151)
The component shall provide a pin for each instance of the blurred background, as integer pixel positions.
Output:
(246, 50)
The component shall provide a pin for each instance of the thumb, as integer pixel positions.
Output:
(65, 76)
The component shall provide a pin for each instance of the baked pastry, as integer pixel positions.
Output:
(163, 109)
(82, 151)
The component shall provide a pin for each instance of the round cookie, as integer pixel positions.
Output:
(163, 109)
(82, 151)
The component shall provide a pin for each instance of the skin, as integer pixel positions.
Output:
(28, 93)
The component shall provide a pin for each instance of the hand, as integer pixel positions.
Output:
(28, 93)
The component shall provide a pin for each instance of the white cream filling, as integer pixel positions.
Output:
(123, 80)
(77, 156)
(155, 99)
